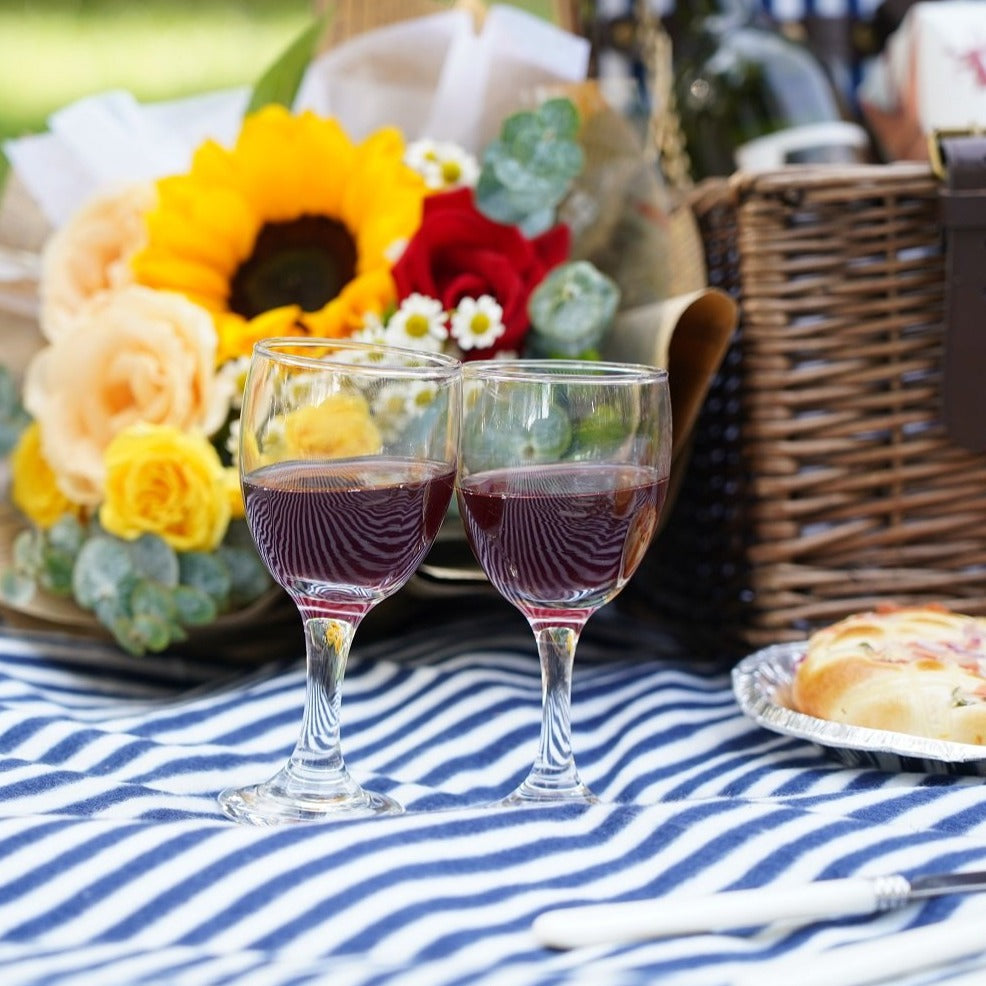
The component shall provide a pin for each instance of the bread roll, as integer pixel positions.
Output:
(919, 670)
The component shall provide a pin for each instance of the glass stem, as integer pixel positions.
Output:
(327, 643)
(554, 767)
(316, 770)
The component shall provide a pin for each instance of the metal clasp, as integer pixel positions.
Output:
(934, 144)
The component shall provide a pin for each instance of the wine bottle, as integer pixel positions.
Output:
(751, 98)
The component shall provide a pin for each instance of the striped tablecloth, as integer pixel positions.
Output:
(116, 866)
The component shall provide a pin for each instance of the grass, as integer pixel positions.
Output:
(55, 51)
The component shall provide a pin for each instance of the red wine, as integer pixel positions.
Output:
(339, 537)
(559, 541)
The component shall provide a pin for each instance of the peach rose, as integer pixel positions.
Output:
(90, 255)
(138, 356)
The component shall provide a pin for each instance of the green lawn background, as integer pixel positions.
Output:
(55, 51)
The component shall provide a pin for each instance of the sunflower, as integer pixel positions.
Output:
(287, 233)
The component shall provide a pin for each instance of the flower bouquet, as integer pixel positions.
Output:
(297, 209)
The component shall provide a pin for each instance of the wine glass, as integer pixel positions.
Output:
(563, 471)
(347, 463)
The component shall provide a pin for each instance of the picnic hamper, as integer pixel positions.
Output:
(821, 480)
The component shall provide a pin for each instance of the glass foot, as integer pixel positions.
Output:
(532, 793)
(284, 799)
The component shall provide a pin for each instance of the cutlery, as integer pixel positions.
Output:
(627, 921)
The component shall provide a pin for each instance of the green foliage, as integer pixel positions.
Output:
(154, 559)
(571, 309)
(280, 83)
(528, 171)
(15, 587)
(13, 418)
(104, 572)
(193, 607)
(146, 594)
(208, 574)
(497, 435)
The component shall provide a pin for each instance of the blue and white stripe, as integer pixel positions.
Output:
(117, 867)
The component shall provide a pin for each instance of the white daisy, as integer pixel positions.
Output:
(372, 330)
(233, 441)
(422, 393)
(419, 323)
(442, 164)
(235, 372)
(477, 322)
(393, 401)
(391, 407)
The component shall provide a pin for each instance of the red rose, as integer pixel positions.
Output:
(459, 253)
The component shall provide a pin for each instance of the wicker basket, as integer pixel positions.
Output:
(821, 480)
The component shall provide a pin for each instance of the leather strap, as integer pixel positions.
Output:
(963, 199)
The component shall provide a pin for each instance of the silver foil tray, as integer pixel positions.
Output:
(761, 683)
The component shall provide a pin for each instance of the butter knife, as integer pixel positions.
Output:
(628, 921)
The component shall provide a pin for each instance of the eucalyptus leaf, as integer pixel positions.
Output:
(538, 222)
(548, 436)
(560, 117)
(206, 572)
(56, 573)
(561, 159)
(280, 83)
(249, 578)
(10, 433)
(150, 598)
(193, 607)
(605, 428)
(528, 171)
(104, 571)
(150, 632)
(67, 535)
(124, 632)
(155, 559)
(28, 552)
(9, 397)
(110, 609)
(507, 170)
(572, 308)
(13, 418)
(520, 132)
(16, 588)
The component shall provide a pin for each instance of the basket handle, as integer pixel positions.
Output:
(963, 200)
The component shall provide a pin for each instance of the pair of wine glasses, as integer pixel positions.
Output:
(350, 454)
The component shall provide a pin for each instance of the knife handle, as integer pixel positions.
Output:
(600, 924)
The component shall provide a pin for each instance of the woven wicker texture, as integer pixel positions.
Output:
(821, 480)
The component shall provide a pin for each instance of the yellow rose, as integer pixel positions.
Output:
(90, 254)
(138, 356)
(340, 426)
(160, 480)
(234, 492)
(33, 487)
